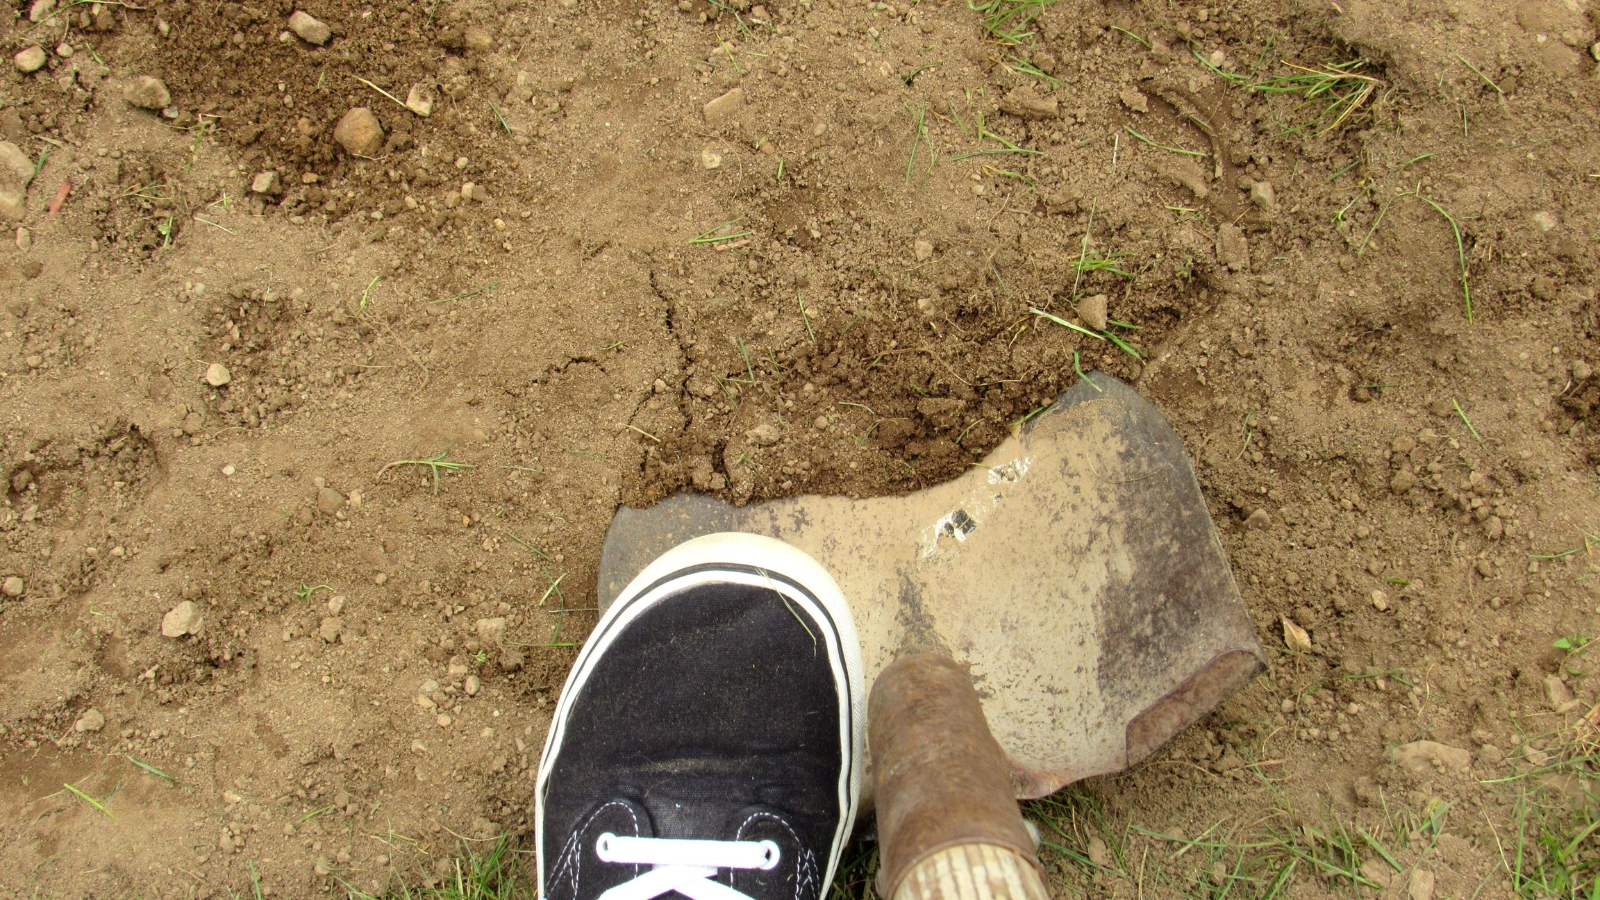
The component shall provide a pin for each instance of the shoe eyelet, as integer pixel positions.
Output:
(769, 855)
(602, 847)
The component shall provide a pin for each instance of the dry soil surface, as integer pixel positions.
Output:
(639, 247)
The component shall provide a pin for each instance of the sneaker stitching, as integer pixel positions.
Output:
(572, 853)
(805, 863)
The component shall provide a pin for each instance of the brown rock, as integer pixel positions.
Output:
(92, 720)
(1233, 250)
(723, 108)
(267, 183)
(309, 29)
(15, 164)
(359, 132)
(30, 59)
(147, 92)
(329, 501)
(185, 618)
(477, 39)
(330, 628)
(1024, 102)
(1420, 757)
(1403, 480)
(1260, 520)
(1420, 887)
(1092, 310)
(1134, 100)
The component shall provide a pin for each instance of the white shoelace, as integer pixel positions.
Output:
(687, 867)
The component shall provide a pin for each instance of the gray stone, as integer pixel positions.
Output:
(309, 29)
(147, 92)
(185, 618)
(30, 59)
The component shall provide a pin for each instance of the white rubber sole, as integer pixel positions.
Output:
(824, 604)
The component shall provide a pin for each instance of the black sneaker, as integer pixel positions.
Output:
(709, 739)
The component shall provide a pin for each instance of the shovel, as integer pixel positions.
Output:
(1075, 573)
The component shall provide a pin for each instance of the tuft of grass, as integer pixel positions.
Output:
(1131, 34)
(1334, 90)
(434, 464)
(1124, 346)
(500, 117)
(1486, 79)
(1461, 254)
(1463, 414)
(1009, 21)
(89, 800)
(1077, 367)
(858, 864)
(717, 235)
(1160, 146)
(918, 137)
(1107, 263)
(498, 873)
(984, 133)
(465, 294)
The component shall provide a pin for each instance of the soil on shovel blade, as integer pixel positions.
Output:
(331, 346)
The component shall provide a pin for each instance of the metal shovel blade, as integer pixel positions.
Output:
(1076, 572)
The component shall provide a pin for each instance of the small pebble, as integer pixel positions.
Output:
(359, 132)
(228, 470)
(329, 500)
(1260, 520)
(267, 183)
(1380, 601)
(308, 29)
(472, 685)
(217, 375)
(821, 423)
(31, 59)
(420, 99)
(185, 618)
(13, 586)
(923, 250)
(93, 720)
(443, 720)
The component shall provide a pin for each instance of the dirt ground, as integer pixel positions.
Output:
(640, 247)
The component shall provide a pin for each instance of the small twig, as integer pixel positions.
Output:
(381, 91)
(645, 433)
